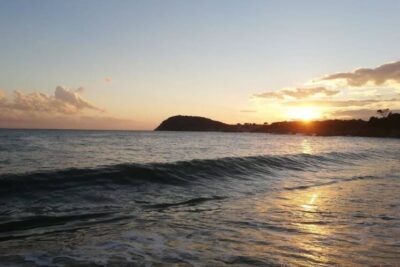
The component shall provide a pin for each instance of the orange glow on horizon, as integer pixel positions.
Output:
(305, 114)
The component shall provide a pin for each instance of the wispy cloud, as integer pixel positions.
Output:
(389, 72)
(339, 103)
(298, 93)
(248, 110)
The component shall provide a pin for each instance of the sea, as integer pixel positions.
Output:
(137, 198)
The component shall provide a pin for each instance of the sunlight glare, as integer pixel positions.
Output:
(303, 113)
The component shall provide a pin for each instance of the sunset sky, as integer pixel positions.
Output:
(130, 64)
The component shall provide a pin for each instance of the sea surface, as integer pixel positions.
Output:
(122, 198)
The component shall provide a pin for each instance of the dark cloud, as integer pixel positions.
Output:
(298, 93)
(377, 76)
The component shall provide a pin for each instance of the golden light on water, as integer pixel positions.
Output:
(302, 208)
(310, 203)
(306, 147)
(309, 225)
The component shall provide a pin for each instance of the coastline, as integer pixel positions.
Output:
(375, 127)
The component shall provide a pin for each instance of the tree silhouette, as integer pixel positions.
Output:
(383, 112)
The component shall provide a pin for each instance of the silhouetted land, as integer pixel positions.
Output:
(388, 126)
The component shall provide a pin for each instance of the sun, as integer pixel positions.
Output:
(303, 113)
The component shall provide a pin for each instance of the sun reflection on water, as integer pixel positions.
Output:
(309, 206)
(311, 223)
(306, 147)
(308, 227)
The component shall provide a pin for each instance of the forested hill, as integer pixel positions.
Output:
(191, 123)
(388, 126)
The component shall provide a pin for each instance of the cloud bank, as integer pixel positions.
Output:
(64, 101)
(354, 94)
(64, 109)
(389, 72)
(43, 121)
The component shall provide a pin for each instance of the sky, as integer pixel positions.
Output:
(96, 64)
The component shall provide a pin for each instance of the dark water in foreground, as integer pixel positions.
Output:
(95, 198)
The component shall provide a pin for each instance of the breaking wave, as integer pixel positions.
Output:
(176, 173)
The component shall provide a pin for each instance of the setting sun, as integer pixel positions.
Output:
(201, 133)
(303, 113)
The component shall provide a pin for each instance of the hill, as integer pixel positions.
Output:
(191, 123)
(388, 126)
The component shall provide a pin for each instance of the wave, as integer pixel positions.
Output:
(354, 178)
(24, 227)
(190, 202)
(42, 221)
(176, 173)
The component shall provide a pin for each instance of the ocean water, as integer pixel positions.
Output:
(120, 198)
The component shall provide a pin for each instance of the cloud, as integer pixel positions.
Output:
(272, 95)
(298, 93)
(3, 98)
(65, 109)
(339, 103)
(355, 94)
(64, 101)
(389, 72)
(248, 110)
(73, 98)
(18, 119)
